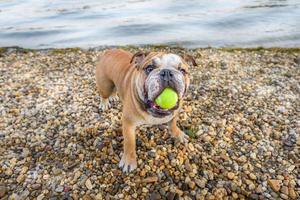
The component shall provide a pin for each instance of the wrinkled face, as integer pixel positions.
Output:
(158, 71)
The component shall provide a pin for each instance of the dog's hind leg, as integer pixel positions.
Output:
(106, 88)
(104, 105)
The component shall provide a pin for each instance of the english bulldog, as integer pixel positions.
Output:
(138, 79)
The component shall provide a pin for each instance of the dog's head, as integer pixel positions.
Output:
(157, 71)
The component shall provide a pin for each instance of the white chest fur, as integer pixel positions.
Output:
(150, 120)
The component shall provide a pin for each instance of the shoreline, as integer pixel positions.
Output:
(155, 47)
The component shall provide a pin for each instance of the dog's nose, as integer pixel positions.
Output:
(166, 74)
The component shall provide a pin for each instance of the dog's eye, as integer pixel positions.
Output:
(182, 70)
(149, 68)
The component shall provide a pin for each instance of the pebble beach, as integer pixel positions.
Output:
(242, 114)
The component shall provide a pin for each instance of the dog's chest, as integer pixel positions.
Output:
(150, 120)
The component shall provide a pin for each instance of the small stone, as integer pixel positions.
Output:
(46, 176)
(24, 194)
(284, 190)
(24, 170)
(292, 183)
(252, 176)
(207, 138)
(192, 184)
(8, 172)
(229, 129)
(135, 195)
(179, 192)
(67, 188)
(3, 191)
(219, 193)
(254, 196)
(201, 183)
(259, 189)
(184, 187)
(15, 196)
(235, 195)
(40, 197)
(290, 141)
(116, 172)
(145, 190)
(297, 60)
(274, 194)
(242, 159)
(20, 178)
(280, 177)
(171, 196)
(291, 168)
(274, 184)
(88, 184)
(36, 186)
(155, 196)
(98, 196)
(57, 172)
(162, 192)
(230, 175)
(284, 196)
(191, 147)
(171, 156)
(188, 166)
(292, 193)
(86, 197)
(251, 186)
(150, 179)
(13, 162)
(76, 175)
(59, 189)
(152, 153)
(143, 173)
(253, 155)
(75, 196)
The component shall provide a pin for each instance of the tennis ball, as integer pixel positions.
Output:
(167, 99)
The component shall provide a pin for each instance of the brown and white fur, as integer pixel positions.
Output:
(138, 79)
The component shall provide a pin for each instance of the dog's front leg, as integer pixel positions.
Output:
(128, 162)
(176, 132)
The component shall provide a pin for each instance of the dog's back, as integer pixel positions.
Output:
(112, 66)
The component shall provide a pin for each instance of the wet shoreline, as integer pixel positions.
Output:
(152, 47)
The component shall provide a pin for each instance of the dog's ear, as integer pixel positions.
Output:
(138, 58)
(189, 59)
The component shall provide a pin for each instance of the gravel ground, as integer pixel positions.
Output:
(242, 114)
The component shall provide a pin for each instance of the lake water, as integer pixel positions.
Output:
(190, 23)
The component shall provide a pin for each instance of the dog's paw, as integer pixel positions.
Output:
(104, 105)
(127, 164)
(114, 98)
(182, 137)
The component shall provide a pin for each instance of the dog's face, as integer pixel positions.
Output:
(157, 71)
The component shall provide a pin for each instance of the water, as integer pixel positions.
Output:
(92, 23)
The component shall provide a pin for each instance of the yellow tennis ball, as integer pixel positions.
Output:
(167, 99)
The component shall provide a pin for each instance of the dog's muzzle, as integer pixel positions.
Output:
(156, 84)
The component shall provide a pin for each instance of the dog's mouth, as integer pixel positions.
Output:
(155, 110)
